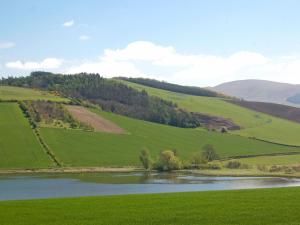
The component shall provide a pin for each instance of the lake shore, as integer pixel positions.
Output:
(219, 172)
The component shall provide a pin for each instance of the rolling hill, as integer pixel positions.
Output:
(254, 124)
(262, 91)
(79, 148)
(74, 145)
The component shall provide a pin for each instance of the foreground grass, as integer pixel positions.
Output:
(244, 207)
(80, 148)
(254, 124)
(17, 93)
(19, 148)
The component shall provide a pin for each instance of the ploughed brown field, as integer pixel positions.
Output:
(282, 111)
(97, 122)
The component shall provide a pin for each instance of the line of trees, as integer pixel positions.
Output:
(169, 160)
(110, 95)
(172, 87)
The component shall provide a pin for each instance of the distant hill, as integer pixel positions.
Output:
(262, 91)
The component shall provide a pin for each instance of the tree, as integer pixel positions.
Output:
(146, 159)
(167, 161)
(209, 154)
(197, 160)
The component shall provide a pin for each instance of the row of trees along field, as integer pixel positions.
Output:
(172, 87)
(110, 95)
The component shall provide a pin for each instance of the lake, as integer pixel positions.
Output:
(14, 187)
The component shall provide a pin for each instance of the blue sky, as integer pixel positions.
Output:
(190, 42)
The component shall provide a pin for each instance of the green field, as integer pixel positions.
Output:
(17, 93)
(19, 148)
(273, 160)
(279, 206)
(81, 148)
(254, 124)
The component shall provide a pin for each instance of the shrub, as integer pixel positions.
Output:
(233, 165)
(209, 154)
(167, 161)
(277, 168)
(197, 161)
(214, 166)
(146, 159)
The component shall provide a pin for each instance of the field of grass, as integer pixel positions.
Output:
(255, 124)
(81, 148)
(19, 148)
(17, 93)
(272, 160)
(277, 206)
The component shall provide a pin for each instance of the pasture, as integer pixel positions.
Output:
(19, 147)
(276, 206)
(82, 148)
(254, 124)
(17, 93)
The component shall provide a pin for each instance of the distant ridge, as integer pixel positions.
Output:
(262, 91)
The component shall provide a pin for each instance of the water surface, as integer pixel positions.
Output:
(92, 184)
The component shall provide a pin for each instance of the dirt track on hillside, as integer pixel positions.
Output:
(97, 122)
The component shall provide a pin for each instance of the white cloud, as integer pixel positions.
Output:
(84, 37)
(143, 58)
(48, 63)
(69, 23)
(5, 45)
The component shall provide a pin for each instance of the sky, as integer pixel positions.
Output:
(190, 42)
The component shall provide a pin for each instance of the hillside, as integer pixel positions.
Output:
(281, 111)
(254, 124)
(108, 139)
(17, 93)
(262, 91)
(19, 147)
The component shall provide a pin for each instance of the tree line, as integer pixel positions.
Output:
(190, 90)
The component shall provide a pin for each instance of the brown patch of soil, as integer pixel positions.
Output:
(94, 120)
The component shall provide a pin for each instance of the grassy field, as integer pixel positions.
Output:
(273, 160)
(80, 148)
(19, 148)
(243, 207)
(17, 93)
(255, 124)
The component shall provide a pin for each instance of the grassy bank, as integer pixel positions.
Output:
(247, 207)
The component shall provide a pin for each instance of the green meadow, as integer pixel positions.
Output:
(17, 93)
(272, 160)
(82, 148)
(254, 124)
(277, 206)
(19, 147)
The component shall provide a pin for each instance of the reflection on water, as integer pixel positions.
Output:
(90, 184)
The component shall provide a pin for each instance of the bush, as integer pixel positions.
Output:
(209, 154)
(213, 166)
(233, 165)
(146, 159)
(167, 161)
(285, 169)
(197, 161)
